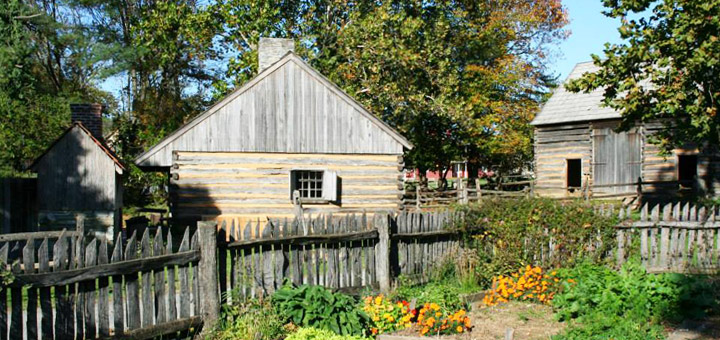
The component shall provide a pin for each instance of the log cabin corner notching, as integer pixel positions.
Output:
(287, 130)
(577, 145)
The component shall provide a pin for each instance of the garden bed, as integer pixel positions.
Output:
(527, 321)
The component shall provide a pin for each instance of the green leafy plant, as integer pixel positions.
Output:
(316, 306)
(602, 303)
(444, 293)
(509, 234)
(310, 333)
(251, 320)
(6, 276)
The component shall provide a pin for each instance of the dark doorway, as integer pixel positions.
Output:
(574, 173)
(687, 169)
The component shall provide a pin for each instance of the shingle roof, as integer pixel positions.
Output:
(566, 107)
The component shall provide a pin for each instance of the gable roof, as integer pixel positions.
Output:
(567, 107)
(77, 125)
(143, 158)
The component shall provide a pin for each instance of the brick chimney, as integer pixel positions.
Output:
(271, 50)
(90, 115)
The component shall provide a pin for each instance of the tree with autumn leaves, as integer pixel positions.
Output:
(460, 79)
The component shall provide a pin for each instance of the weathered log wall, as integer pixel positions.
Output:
(245, 186)
(553, 146)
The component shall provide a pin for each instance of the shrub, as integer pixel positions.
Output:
(388, 316)
(528, 283)
(252, 320)
(444, 293)
(315, 306)
(509, 234)
(309, 333)
(605, 303)
(432, 320)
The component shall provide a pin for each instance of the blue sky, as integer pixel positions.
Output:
(590, 30)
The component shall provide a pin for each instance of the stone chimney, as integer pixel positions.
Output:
(90, 115)
(271, 50)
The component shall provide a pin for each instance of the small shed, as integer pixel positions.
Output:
(79, 176)
(287, 131)
(577, 147)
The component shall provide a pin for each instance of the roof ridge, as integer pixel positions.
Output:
(106, 149)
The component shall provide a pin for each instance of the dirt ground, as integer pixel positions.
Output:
(526, 320)
(697, 330)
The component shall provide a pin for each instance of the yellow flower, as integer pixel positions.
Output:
(459, 329)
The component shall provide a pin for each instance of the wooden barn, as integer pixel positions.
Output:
(578, 148)
(79, 176)
(287, 131)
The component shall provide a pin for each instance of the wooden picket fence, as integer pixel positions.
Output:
(680, 237)
(339, 252)
(85, 288)
(80, 288)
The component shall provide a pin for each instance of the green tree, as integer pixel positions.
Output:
(460, 79)
(46, 64)
(163, 53)
(666, 70)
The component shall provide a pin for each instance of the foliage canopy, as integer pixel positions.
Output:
(666, 70)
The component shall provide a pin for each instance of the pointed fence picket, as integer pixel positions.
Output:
(96, 288)
(674, 237)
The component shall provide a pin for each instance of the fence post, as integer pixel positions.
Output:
(80, 223)
(417, 195)
(209, 300)
(461, 192)
(382, 252)
(477, 187)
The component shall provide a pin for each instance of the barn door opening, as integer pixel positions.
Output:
(573, 178)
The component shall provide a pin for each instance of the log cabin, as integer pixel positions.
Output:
(288, 131)
(79, 176)
(578, 147)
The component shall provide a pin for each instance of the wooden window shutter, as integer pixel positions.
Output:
(293, 176)
(329, 190)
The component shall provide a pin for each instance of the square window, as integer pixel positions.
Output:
(314, 185)
(308, 183)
